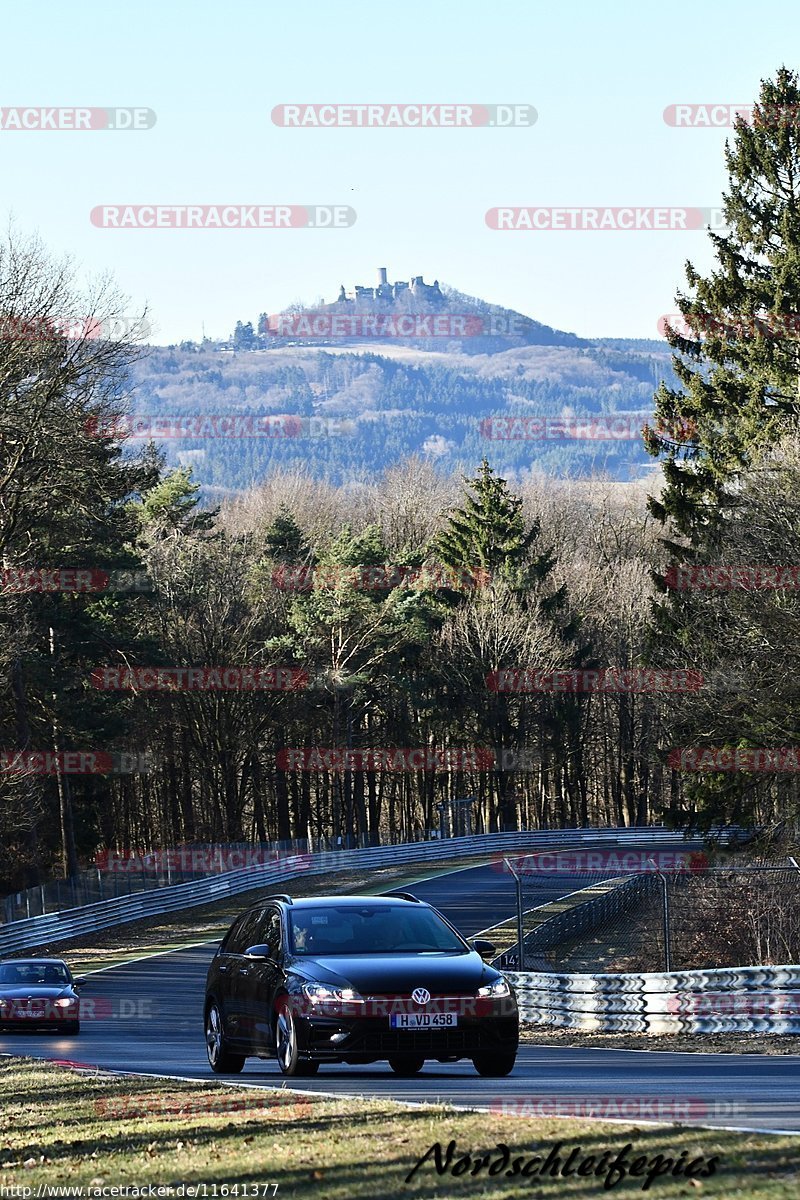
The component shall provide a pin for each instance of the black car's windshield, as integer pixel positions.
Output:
(36, 974)
(347, 929)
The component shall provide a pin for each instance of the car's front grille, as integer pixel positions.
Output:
(386, 1003)
(436, 998)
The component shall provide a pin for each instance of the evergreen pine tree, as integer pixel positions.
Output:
(284, 540)
(739, 358)
(170, 505)
(488, 533)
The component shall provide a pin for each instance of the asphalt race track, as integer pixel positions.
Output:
(148, 1019)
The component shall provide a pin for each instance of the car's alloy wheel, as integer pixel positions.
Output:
(286, 1045)
(495, 1065)
(406, 1064)
(220, 1058)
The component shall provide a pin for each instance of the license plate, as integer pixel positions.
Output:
(35, 1013)
(423, 1020)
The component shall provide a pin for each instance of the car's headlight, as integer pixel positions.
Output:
(63, 1003)
(497, 989)
(322, 993)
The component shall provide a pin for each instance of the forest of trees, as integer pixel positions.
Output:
(382, 409)
(469, 576)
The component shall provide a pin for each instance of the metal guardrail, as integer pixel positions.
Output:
(113, 874)
(69, 923)
(720, 1000)
(581, 918)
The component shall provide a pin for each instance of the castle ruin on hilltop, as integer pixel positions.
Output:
(415, 287)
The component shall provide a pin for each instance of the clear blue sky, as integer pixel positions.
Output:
(599, 76)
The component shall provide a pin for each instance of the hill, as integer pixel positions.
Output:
(350, 400)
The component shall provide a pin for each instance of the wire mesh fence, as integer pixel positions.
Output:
(124, 874)
(651, 912)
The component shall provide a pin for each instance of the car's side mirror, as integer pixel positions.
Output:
(484, 948)
(260, 950)
(81, 981)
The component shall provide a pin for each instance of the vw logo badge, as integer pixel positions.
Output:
(420, 995)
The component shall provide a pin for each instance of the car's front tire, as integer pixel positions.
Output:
(407, 1064)
(494, 1065)
(287, 1048)
(221, 1059)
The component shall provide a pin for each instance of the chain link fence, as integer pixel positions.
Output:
(642, 912)
(119, 874)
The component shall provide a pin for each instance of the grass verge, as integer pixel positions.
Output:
(62, 1128)
(681, 1043)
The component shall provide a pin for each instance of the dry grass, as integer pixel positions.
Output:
(70, 1130)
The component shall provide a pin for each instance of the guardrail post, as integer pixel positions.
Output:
(667, 954)
(665, 918)
(520, 923)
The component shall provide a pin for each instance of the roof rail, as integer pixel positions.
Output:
(280, 896)
(404, 896)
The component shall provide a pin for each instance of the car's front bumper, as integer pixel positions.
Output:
(325, 1037)
(19, 1016)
